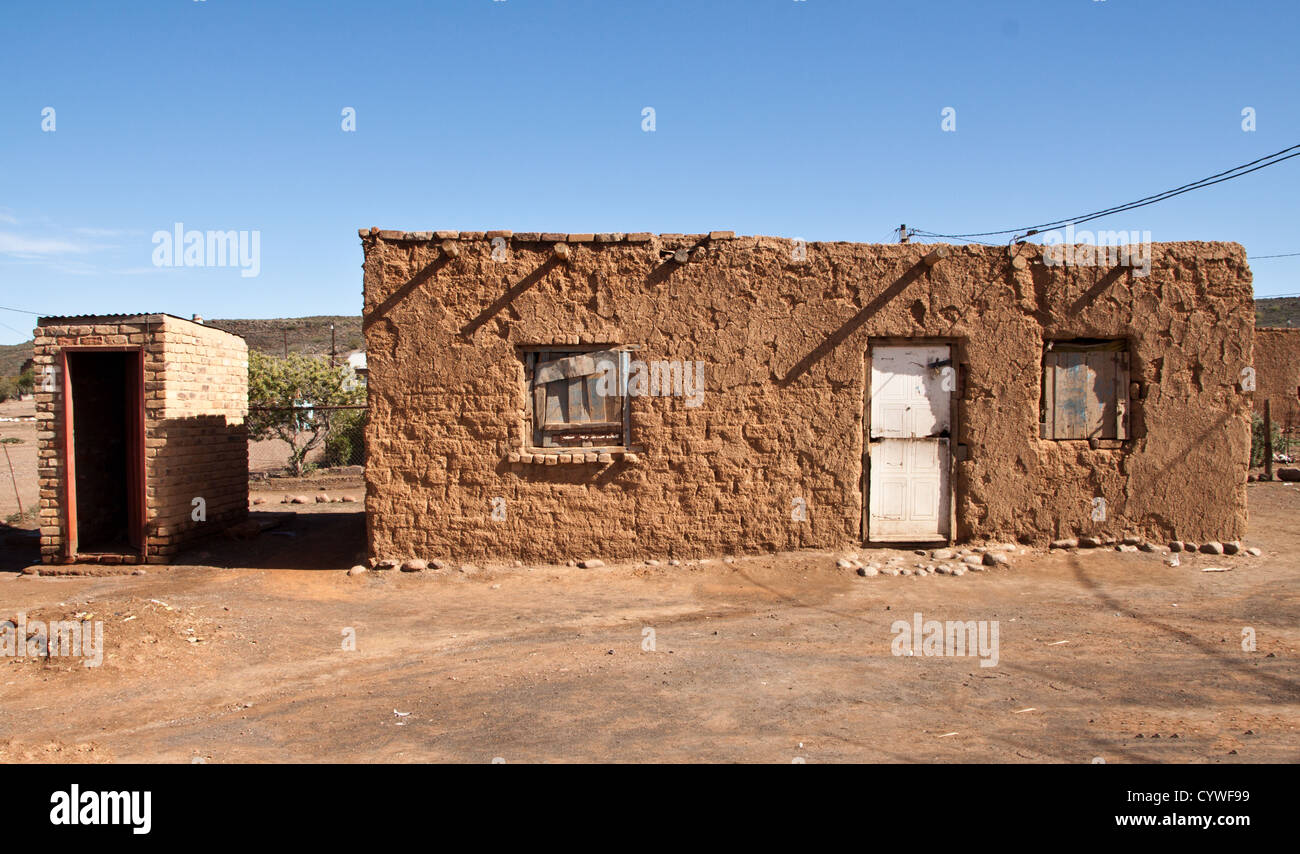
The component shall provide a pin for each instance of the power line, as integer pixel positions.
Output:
(20, 310)
(1262, 257)
(1217, 178)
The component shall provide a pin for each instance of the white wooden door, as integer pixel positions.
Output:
(909, 496)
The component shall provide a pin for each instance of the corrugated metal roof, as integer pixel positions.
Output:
(64, 319)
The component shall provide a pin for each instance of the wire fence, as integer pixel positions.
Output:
(341, 442)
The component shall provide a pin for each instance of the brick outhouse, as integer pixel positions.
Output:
(142, 438)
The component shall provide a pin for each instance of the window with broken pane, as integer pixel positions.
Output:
(1085, 390)
(576, 398)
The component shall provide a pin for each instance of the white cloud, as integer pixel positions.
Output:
(32, 247)
(107, 232)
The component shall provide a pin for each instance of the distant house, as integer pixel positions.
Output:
(1277, 378)
(357, 364)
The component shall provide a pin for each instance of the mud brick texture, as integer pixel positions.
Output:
(1277, 376)
(783, 329)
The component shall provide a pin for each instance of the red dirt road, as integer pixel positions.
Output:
(765, 660)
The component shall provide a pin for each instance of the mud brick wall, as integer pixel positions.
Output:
(784, 343)
(195, 400)
(1277, 375)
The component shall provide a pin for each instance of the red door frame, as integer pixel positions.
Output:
(135, 464)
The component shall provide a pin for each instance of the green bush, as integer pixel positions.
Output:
(291, 399)
(26, 381)
(1257, 440)
(346, 444)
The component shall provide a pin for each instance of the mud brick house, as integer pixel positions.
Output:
(559, 396)
(142, 437)
(1277, 376)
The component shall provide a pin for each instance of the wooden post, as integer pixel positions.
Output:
(1268, 441)
(15, 483)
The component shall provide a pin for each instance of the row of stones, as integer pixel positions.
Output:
(963, 560)
(539, 236)
(572, 458)
(1133, 544)
(421, 565)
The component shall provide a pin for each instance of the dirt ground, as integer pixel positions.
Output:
(238, 657)
(22, 458)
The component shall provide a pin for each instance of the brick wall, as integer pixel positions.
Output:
(197, 444)
(195, 400)
(783, 342)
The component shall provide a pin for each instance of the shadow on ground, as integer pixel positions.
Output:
(19, 548)
(308, 541)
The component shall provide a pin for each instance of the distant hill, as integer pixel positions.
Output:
(12, 357)
(1278, 311)
(301, 334)
(297, 334)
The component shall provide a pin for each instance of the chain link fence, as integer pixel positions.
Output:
(343, 443)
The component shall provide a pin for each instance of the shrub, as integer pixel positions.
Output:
(1257, 440)
(291, 399)
(346, 444)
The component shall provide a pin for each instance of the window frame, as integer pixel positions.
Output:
(535, 433)
(1114, 410)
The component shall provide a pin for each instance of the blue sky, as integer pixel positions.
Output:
(818, 119)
